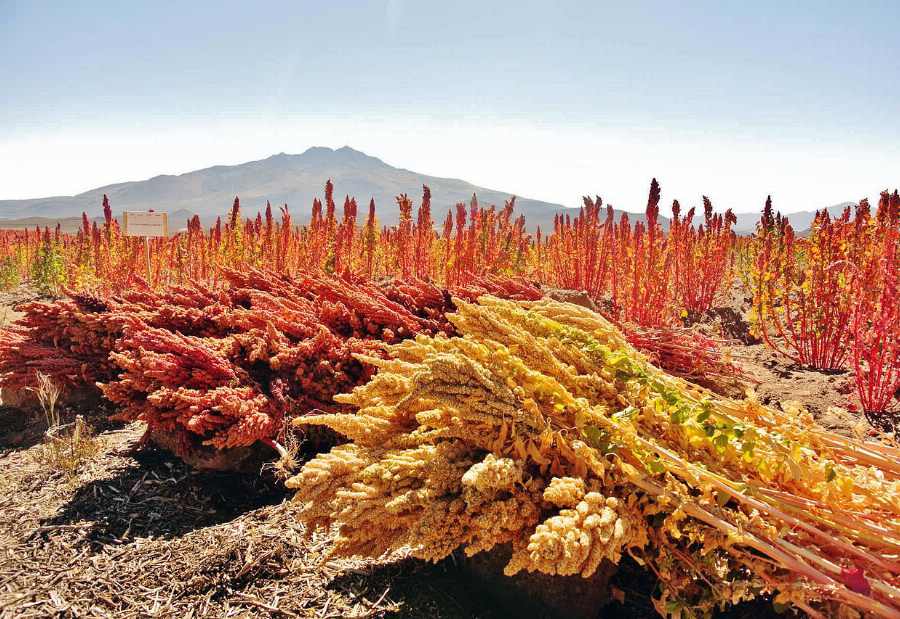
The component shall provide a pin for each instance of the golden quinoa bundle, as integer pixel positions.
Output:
(539, 426)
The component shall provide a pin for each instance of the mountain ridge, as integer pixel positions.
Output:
(280, 178)
(295, 179)
(800, 220)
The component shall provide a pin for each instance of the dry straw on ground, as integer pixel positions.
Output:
(139, 534)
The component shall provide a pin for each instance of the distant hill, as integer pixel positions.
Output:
(296, 180)
(800, 221)
(73, 224)
(67, 224)
(282, 178)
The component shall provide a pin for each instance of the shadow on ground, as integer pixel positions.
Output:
(23, 428)
(463, 588)
(156, 495)
(421, 590)
(640, 587)
(19, 429)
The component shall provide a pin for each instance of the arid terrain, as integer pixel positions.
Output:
(426, 309)
(135, 532)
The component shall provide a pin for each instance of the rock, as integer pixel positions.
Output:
(84, 398)
(732, 323)
(533, 594)
(237, 459)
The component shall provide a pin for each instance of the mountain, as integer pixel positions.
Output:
(800, 221)
(296, 180)
(281, 178)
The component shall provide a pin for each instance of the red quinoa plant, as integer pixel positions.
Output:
(832, 297)
(803, 290)
(876, 316)
(646, 273)
(704, 256)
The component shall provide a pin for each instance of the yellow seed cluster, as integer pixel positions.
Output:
(540, 427)
(577, 540)
(565, 491)
(492, 475)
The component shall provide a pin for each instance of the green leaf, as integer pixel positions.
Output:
(599, 439)
(594, 435)
(679, 416)
(721, 442)
(626, 413)
(656, 467)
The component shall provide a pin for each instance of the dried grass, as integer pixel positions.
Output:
(47, 393)
(139, 534)
(67, 447)
(288, 462)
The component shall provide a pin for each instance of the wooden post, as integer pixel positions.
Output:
(147, 256)
(146, 224)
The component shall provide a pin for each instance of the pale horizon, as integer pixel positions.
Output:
(739, 105)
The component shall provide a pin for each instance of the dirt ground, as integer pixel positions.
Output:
(776, 379)
(137, 533)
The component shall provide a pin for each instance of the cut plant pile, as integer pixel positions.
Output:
(221, 367)
(826, 300)
(540, 426)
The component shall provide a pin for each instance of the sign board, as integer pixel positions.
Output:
(146, 223)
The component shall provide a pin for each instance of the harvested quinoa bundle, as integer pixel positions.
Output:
(538, 425)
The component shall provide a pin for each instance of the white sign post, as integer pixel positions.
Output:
(146, 224)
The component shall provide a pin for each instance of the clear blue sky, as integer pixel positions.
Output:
(735, 99)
